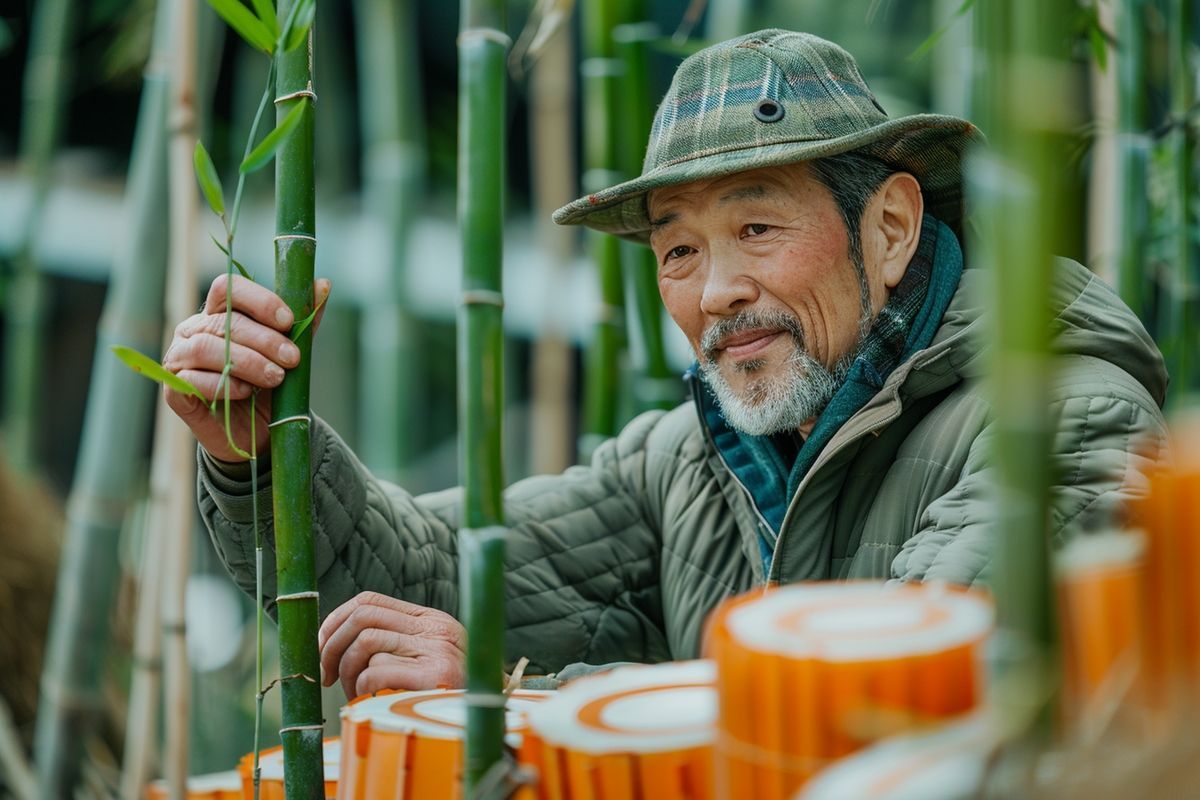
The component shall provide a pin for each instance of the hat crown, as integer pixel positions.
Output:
(764, 88)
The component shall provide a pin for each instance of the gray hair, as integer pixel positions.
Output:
(853, 179)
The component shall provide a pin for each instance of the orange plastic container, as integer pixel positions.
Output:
(636, 733)
(1100, 579)
(214, 786)
(270, 762)
(948, 761)
(408, 745)
(810, 673)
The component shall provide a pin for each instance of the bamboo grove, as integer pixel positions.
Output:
(1027, 190)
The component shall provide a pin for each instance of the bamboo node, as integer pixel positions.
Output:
(293, 418)
(295, 728)
(482, 297)
(309, 93)
(282, 678)
(304, 236)
(485, 699)
(296, 595)
(487, 34)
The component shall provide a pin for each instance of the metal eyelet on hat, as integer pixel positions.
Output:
(768, 110)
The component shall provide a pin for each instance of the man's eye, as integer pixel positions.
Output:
(677, 252)
(756, 229)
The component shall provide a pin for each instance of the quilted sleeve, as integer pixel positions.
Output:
(582, 555)
(1103, 445)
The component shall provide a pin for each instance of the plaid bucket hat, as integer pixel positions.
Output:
(771, 98)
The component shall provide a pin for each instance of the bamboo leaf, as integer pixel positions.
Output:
(245, 24)
(236, 263)
(295, 30)
(301, 326)
(210, 182)
(147, 366)
(935, 37)
(1099, 47)
(261, 156)
(266, 14)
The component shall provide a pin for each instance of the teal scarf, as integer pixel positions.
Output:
(772, 467)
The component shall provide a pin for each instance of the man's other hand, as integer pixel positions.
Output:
(374, 642)
(260, 352)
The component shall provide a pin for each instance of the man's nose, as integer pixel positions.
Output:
(728, 287)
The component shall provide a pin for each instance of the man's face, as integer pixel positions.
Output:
(754, 268)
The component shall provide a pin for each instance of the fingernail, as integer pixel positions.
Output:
(289, 353)
(274, 374)
(283, 315)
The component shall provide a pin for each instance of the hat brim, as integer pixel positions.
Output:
(930, 146)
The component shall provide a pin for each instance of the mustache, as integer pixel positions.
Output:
(745, 321)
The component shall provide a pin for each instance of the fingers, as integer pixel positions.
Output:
(243, 330)
(255, 301)
(205, 352)
(386, 671)
(322, 288)
(371, 624)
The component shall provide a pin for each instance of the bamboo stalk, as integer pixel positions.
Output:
(1180, 329)
(141, 729)
(295, 555)
(393, 173)
(552, 132)
(601, 73)
(482, 54)
(1132, 280)
(15, 772)
(175, 516)
(1020, 204)
(729, 18)
(115, 426)
(654, 384)
(41, 126)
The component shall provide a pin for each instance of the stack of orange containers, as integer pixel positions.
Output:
(812, 672)
(946, 763)
(636, 733)
(270, 762)
(1170, 518)
(1100, 579)
(215, 786)
(408, 745)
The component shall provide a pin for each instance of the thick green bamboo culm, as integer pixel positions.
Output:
(116, 424)
(1178, 330)
(393, 171)
(42, 114)
(482, 75)
(601, 73)
(295, 553)
(1133, 282)
(1017, 187)
(655, 384)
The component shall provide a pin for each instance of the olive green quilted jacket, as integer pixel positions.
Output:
(621, 560)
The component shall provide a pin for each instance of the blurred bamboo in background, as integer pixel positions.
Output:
(552, 161)
(601, 74)
(393, 169)
(654, 383)
(1133, 279)
(45, 102)
(116, 424)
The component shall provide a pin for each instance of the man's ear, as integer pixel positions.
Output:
(893, 226)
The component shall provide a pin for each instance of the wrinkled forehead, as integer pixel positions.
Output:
(766, 184)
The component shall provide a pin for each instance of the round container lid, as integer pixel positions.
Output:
(859, 621)
(945, 764)
(638, 709)
(271, 762)
(437, 713)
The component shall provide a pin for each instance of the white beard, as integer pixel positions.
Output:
(771, 403)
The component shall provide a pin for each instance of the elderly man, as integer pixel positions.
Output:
(810, 249)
